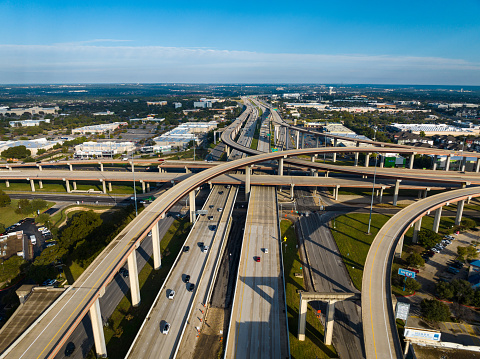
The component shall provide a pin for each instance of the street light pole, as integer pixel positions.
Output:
(373, 190)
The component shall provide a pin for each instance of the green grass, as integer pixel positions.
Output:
(73, 271)
(60, 216)
(353, 242)
(126, 320)
(254, 143)
(8, 215)
(313, 346)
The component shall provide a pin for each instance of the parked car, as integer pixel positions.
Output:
(435, 250)
(452, 270)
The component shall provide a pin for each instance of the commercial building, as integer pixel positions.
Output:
(434, 129)
(177, 104)
(32, 110)
(156, 103)
(183, 134)
(156, 149)
(202, 104)
(32, 145)
(27, 123)
(99, 128)
(103, 113)
(103, 149)
(147, 119)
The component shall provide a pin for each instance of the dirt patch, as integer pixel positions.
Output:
(210, 341)
(81, 208)
(436, 353)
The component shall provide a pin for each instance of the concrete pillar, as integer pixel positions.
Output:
(109, 186)
(317, 138)
(312, 158)
(436, 220)
(70, 165)
(187, 170)
(227, 149)
(32, 185)
(329, 320)
(97, 326)
(326, 173)
(477, 167)
(303, 141)
(247, 182)
(367, 159)
(464, 163)
(101, 166)
(133, 275)
(315, 174)
(380, 198)
(399, 247)
(381, 160)
(148, 186)
(425, 192)
(40, 184)
(335, 153)
(297, 142)
(302, 318)
(356, 158)
(74, 185)
(412, 157)
(10, 168)
(447, 163)
(335, 193)
(280, 166)
(157, 258)
(67, 184)
(434, 164)
(143, 186)
(133, 166)
(40, 167)
(458, 217)
(292, 194)
(286, 138)
(7, 183)
(395, 193)
(104, 187)
(191, 201)
(416, 228)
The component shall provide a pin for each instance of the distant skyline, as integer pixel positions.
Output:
(423, 42)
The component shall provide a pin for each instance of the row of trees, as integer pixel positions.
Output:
(460, 291)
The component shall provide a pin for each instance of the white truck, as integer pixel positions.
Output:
(33, 239)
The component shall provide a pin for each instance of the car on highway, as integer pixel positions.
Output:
(166, 328)
(190, 287)
(219, 209)
(220, 192)
(265, 250)
(201, 244)
(171, 294)
(186, 248)
(205, 249)
(124, 272)
(187, 278)
(213, 227)
(211, 206)
(69, 349)
(257, 259)
(210, 218)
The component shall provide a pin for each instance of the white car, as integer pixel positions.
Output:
(171, 295)
(435, 250)
(265, 250)
(166, 328)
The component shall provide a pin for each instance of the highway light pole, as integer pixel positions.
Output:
(373, 190)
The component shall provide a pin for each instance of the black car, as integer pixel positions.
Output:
(190, 287)
(220, 192)
(187, 278)
(124, 272)
(69, 349)
(186, 248)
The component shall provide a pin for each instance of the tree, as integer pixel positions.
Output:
(79, 227)
(2, 228)
(435, 310)
(38, 204)
(469, 252)
(445, 290)
(415, 260)
(4, 199)
(16, 152)
(412, 285)
(422, 134)
(428, 238)
(42, 218)
(41, 151)
(23, 207)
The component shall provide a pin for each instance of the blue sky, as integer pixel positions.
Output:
(409, 42)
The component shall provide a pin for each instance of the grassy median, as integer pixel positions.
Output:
(313, 346)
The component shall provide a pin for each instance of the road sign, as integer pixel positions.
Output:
(285, 238)
(406, 273)
(201, 211)
(402, 311)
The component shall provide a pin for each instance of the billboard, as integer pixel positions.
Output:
(406, 273)
(422, 334)
(402, 311)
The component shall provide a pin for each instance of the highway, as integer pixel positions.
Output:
(258, 325)
(380, 333)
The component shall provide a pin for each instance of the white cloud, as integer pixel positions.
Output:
(83, 62)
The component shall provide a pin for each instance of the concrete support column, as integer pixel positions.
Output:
(395, 193)
(302, 318)
(67, 184)
(71, 167)
(335, 192)
(447, 164)
(101, 166)
(399, 247)
(157, 258)
(187, 170)
(247, 182)
(74, 185)
(109, 186)
(97, 326)
(227, 149)
(326, 173)
(312, 158)
(425, 192)
(329, 320)
(315, 174)
(335, 153)
(297, 142)
(280, 166)
(477, 167)
(367, 159)
(104, 187)
(356, 158)
(40, 167)
(317, 139)
(133, 275)
(416, 228)
(7, 183)
(436, 220)
(143, 186)
(303, 141)
(380, 158)
(148, 186)
(286, 138)
(40, 184)
(434, 164)
(464, 164)
(133, 166)
(412, 157)
(292, 194)
(32, 185)
(380, 198)
(191, 201)
(458, 217)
